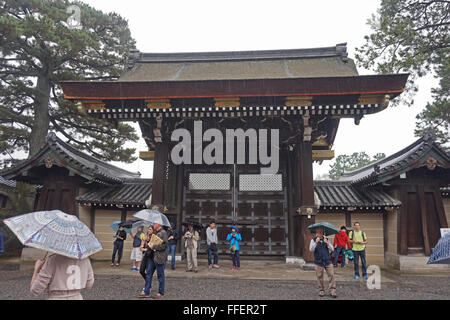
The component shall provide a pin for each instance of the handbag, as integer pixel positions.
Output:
(213, 246)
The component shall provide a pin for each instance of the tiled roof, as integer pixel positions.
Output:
(411, 157)
(233, 65)
(67, 156)
(9, 183)
(338, 195)
(132, 192)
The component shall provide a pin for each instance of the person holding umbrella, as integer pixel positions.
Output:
(120, 237)
(68, 269)
(320, 245)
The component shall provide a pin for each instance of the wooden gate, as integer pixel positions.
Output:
(230, 195)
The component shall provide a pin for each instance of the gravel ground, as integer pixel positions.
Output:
(14, 284)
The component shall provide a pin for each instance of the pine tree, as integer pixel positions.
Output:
(40, 46)
(413, 36)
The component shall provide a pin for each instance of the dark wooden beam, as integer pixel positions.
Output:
(440, 208)
(307, 197)
(403, 222)
(423, 215)
(92, 218)
(351, 85)
(159, 173)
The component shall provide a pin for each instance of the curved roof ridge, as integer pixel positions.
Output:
(141, 57)
(52, 136)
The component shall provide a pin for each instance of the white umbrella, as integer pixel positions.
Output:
(56, 232)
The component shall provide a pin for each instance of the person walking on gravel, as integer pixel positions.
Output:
(320, 245)
(158, 263)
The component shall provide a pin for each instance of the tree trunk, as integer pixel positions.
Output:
(41, 116)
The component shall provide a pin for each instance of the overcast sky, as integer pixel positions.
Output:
(188, 26)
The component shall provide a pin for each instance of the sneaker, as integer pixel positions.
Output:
(158, 296)
(143, 295)
(239, 268)
(210, 266)
(195, 271)
(133, 268)
(216, 266)
(365, 277)
(321, 293)
(232, 268)
(356, 277)
(333, 295)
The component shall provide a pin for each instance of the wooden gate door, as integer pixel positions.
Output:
(57, 196)
(255, 203)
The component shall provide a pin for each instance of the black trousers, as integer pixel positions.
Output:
(118, 248)
(143, 268)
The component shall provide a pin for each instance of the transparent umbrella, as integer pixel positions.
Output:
(152, 216)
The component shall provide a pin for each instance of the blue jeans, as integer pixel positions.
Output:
(214, 253)
(361, 254)
(2, 245)
(236, 260)
(338, 251)
(152, 266)
(172, 248)
(118, 248)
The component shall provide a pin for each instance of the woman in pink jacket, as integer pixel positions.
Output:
(62, 277)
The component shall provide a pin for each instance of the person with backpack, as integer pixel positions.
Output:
(136, 253)
(358, 239)
(340, 242)
(320, 245)
(235, 237)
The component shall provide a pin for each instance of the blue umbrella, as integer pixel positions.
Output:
(328, 228)
(115, 226)
(441, 252)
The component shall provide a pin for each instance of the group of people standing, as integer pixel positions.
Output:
(148, 258)
(356, 240)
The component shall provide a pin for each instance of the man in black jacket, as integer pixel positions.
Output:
(173, 237)
(120, 236)
(320, 245)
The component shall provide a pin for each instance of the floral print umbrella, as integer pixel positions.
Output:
(56, 232)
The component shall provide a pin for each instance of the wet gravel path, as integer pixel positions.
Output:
(14, 284)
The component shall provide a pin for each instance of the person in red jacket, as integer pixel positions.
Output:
(340, 241)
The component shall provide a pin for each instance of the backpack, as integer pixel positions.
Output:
(362, 233)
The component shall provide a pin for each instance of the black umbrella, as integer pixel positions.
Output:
(195, 224)
(128, 223)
